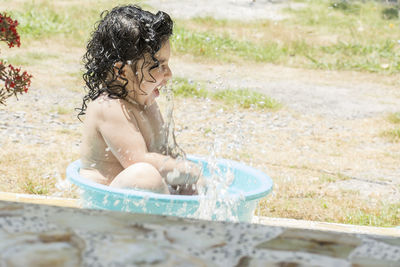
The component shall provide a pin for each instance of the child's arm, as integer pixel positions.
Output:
(119, 129)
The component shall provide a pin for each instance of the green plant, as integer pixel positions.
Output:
(388, 215)
(15, 81)
(222, 47)
(393, 134)
(31, 58)
(243, 98)
(394, 117)
(390, 13)
(183, 87)
(246, 98)
(346, 6)
(63, 110)
(42, 20)
(32, 187)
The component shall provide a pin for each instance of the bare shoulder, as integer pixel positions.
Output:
(110, 114)
(106, 109)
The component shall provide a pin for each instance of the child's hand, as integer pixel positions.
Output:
(188, 189)
(185, 173)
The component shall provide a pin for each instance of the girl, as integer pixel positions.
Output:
(124, 140)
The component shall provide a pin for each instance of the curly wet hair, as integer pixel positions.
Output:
(125, 34)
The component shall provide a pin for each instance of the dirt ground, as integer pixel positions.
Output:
(330, 123)
(331, 120)
(225, 9)
(323, 149)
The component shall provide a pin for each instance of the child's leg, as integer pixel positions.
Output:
(142, 176)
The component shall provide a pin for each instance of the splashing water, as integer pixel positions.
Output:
(169, 125)
(216, 202)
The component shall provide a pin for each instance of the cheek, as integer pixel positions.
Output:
(157, 73)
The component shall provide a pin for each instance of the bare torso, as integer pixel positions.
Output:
(98, 160)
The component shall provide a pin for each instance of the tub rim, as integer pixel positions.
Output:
(264, 189)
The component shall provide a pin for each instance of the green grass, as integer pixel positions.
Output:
(63, 110)
(30, 58)
(332, 178)
(243, 98)
(392, 135)
(35, 187)
(222, 47)
(346, 6)
(390, 13)
(246, 98)
(387, 216)
(185, 88)
(394, 117)
(364, 40)
(42, 19)
(380, 56)
(362, 30)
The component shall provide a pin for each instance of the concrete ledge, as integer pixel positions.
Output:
(281, 222)
(325, 226)
(38, 199)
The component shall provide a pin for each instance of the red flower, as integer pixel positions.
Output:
(14, 81)
(8, 31)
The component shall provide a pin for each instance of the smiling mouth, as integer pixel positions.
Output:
(156, 92)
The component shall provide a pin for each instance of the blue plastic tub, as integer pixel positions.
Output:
(248, 187)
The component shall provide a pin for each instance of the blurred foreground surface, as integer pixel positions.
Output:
(40, 235)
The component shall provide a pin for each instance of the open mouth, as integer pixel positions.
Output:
(156, 92)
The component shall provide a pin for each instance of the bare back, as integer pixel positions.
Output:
(113, 130)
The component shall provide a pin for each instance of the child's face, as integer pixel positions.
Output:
(152, 80)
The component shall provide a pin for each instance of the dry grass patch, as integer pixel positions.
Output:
(35, 169)
(327, 174)
(261, 31)
(393, 135)
(313, 199)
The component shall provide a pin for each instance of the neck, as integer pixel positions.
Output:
(135, 103)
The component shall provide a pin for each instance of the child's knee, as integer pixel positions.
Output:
(141, 175)
(152, 177)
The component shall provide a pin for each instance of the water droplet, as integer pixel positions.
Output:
(93, 165)
(107, 148)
